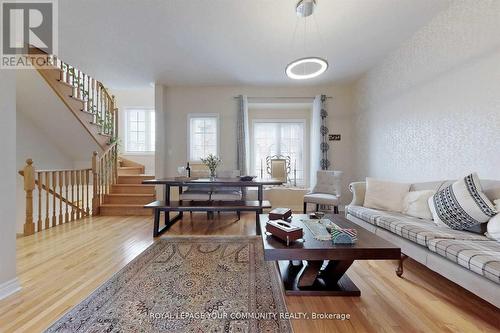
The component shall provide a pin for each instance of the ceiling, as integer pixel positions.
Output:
(131, 43)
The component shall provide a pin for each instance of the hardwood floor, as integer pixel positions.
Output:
(59, 267)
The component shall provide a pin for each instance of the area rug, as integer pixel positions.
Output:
(187, 284)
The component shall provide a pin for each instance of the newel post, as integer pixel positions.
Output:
(29, 186)
(95, 186)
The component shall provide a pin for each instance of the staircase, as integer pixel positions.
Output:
(112, 186)
(129, 195)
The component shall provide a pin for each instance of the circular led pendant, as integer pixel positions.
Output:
(306, 68)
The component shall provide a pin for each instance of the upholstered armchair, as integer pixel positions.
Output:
(326, 191)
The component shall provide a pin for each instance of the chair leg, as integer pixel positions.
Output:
(238, 213)
(317, 207)
(335, 209)
(305, 207)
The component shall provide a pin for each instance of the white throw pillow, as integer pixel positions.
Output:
(385, 195)
(462, 204)
(415, 204)
(493, 225)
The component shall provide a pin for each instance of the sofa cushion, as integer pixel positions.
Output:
(366, 214)
(480, 257)
(322, 198)
(415, 203)
(421, 231)
(462, 204)
(385, 195)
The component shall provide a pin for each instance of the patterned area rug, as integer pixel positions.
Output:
(181, 284)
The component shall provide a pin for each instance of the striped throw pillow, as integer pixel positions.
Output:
(462, 204)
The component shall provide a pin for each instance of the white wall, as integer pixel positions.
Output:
(431, 110)
(134, 98)
(178, 102)
(8, 281)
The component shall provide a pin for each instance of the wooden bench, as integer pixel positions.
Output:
(202, 206)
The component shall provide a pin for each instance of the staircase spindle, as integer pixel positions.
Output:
(66, 188)
(87, 181)
(77, 183)
(54, 191)
(61, 183)
(47, 200)
(79, 88)
(95, 198)
(72, 177)
(39, 221)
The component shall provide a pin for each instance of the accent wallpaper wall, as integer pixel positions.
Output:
(431, 110)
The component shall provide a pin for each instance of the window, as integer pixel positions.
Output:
(285, 138)
(140, 131)
(203, 136)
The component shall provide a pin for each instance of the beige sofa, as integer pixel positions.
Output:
(469, 259)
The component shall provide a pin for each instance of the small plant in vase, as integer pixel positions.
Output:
(212, 162)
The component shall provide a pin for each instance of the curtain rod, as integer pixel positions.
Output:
(281, 97)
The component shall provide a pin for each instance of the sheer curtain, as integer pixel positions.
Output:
(315, 139)
(243, 137)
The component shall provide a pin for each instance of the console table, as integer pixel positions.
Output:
(168, 205)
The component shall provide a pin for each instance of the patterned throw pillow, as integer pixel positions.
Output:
(462, 204)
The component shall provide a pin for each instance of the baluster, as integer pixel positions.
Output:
(79, 91)
(29, 186)
(115, 164)
(102, 177)
(66, 187)
(95, 197)
(47, 200)
(87, 182)
(61, 73)
(82, 193)
(61, 183)
(72, 176)
(54, 186)
(39, 222)
(77, 182)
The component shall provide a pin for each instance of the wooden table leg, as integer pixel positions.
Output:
(156, 223)
(257, 222)
(312, 281)
(309, 274)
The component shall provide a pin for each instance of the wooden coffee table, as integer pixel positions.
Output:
(320, 266)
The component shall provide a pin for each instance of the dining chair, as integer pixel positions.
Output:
(326, 191)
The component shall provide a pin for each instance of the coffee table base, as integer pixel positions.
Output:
(308, 280)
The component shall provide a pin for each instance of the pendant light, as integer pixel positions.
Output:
(306, 67)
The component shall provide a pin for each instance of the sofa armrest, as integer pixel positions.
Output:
(358, 190)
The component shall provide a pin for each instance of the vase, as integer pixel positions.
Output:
(212, 175)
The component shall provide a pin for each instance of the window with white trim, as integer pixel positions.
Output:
(140, 131)
(203, 136)
(286, 138)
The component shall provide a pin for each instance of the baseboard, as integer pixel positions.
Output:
(9, 287)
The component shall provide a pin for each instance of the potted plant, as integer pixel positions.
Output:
(212, 162)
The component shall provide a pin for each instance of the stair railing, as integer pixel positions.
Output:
(57, 196)
(96, 98)
(104, 174)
